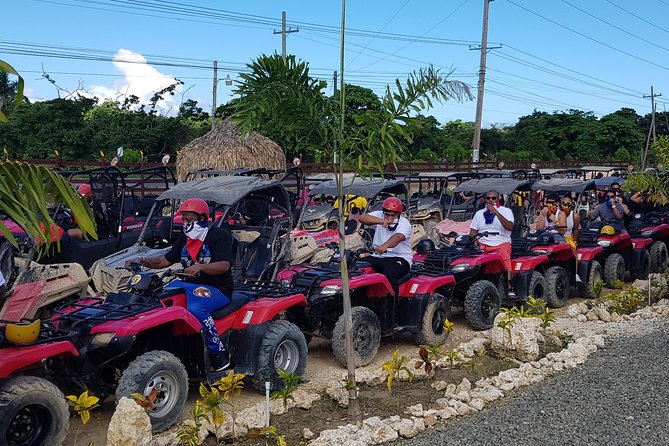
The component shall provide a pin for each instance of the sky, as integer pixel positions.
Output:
(596, 55)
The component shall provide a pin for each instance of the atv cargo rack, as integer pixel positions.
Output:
(442, 257)
(95, 309)
(266, 289)
(47, 333)
(315, 275)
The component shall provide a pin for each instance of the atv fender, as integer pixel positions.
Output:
(521, 283)
(527, 263)
(375, 284)
(492, 263)
(640, 243)
(245, 345)
(180, 319)
(420, 285)
(264, 310)
(588, 254)
(16, 358)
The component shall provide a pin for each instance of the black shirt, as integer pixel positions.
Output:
(217, 247)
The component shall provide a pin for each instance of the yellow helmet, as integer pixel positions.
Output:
(22, 332)
(351, 202)
(607, 230)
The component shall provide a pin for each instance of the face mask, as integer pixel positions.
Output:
(489, 217)
(608, 203)
(196, 230)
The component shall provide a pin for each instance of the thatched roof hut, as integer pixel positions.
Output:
(223, 148)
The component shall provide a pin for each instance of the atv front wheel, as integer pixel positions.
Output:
(33, 412)
(557, 287)
(482, 303)
(594, 276)
(283, 347)
(614, 268)
(437, 312)
(159, 371)
(658, 257)
(366, 337)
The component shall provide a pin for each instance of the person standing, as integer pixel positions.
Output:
(494, 218)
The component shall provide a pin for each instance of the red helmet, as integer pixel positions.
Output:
(196, 205)
(85, 189)
(392, 204)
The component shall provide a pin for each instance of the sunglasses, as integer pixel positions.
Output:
(610, 196)
(566, 204)
(491, 198)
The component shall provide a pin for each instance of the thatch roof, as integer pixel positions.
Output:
(223, 148)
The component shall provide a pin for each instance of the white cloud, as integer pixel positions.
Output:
(139, 79)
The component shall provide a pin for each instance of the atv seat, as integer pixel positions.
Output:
(404, 278)
(238, 300)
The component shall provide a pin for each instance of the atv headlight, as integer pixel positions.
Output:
(461, 267)
(540, 251)
(285, 283)
(102, 339)
(604, 243)
(330, 290)
(647, 233)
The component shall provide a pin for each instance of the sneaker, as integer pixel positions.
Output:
(578, 279)
(219, 361)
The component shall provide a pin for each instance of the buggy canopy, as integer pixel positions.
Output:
(502, 185)
(563, 185)
(361, 187)
(225, 190)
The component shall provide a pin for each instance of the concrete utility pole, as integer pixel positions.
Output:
(334, 83)
(476, 142)
(213, 99)
(651, 131)
(284, 33)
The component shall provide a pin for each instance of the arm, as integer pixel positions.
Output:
(152, 262)
(210, 269)
(393, 241)
(541, 224)
(507, 224)
(562, 223)
(577, 226)
(367, 219)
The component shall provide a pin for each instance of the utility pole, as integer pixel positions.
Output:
(476, 142)
(284, 32)
(652, 97)
(213, 100)
(334, 83)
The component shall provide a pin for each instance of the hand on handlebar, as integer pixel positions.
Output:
(193, 270)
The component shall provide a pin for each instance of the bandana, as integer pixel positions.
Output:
(195, 232)
(489, 216)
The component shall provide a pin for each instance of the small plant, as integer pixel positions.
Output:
(290, 382)
(535, 306)
(429, 355)
(598, 287)
(454, 357)
(394, 366)
(448, 326)
(547, 318)
(82, 405)
(231, 386)
(189, 433)
(211, 403)
(473, 364)
(617, 284)
(272, 432)
(627, 301)
(147, 402)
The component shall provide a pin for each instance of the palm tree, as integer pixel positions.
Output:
(25, 190)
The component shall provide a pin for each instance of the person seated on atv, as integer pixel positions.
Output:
(392, 255)
(99, 213)
(568, 220)
(611, 212)
(548, 218)
(206, 254)
(355, 204)
(494, 218)
(640, 203)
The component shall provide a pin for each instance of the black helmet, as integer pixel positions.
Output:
(425, 246)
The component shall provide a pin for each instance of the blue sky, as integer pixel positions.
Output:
(595, 55)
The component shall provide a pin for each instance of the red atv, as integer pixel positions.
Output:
(542, 268)
(650, 231)
(145, 340)
(33, 411)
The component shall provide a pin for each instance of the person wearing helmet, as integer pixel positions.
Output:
(392, 241)
(494, 218)
(99, 214)
(611, 212)
(206, 254)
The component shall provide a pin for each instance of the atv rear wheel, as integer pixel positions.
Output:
(537, 288)
(283, 347)
(658, 257)
(557, 287)
(641, 268)
(33, 412)
(437, 312)
(594, 276)
(366, 337)
(482, 303)
(163, 372)
(614, 268)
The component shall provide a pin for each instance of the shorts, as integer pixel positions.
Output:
(503, 250)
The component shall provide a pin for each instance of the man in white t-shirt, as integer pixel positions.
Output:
(494, 218)
(392, 241)
(3, 290)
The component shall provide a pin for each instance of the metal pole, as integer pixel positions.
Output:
(476, 143)
(283, 36)
(213, 99)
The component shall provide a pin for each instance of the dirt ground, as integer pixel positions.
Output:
(322, 370)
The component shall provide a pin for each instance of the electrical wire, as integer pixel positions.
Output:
(638, 17)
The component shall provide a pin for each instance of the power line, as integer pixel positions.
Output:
(588, 37)
(638, 17)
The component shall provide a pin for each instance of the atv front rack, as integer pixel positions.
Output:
(588, 238)
(267, 289)
(442, 257)
(96, 309)
(315, 275)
